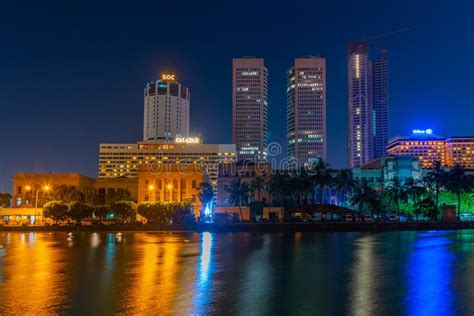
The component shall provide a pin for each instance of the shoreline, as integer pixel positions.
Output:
(282, 227)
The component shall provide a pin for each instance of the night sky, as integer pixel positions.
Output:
(72, 76)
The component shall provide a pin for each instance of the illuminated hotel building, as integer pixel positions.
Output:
(250, 108)
(460, 150)
(367, 103)
(429, 148)
(306, 110)
(166, 113)
(124, 160)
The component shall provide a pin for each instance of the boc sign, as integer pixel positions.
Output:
(168, 77)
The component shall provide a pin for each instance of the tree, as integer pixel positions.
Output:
(415, 192)
(79, 211)
(124, 210)
(366, 198)
(118, 195)
(436, 178)
(344, 184)
(101, 212)
(5, 199)
(257, 186)
(457, 182)
(278, 188)
(56, 210)
(428, 208)
(154, 212)
(206, 195)
(67, 194)
(321, 179)
(238, 193)
(396, 193)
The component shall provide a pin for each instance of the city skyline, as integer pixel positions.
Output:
(69, 108)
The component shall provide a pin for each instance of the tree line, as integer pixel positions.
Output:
(295, 189)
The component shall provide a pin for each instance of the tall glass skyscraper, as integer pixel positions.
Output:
(250, 108)
(367, 103)
(306, 110)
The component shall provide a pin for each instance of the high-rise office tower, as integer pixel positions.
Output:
(367, 103)
(380, 84)
(250, 108)
(306, 110)
(166, 112)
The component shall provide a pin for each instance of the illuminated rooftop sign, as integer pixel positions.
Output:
(168, 77)
(422, 131)
(188, 140)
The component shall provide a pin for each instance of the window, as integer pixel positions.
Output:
(18, 190)
(193, 184)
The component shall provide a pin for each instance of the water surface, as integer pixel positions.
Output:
(415, 273)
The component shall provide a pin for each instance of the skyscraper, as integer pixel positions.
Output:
(166, 113)
(250, 108)
(306, 110)
(367, 103)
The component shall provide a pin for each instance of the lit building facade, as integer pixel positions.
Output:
(124, 160)
(250, 108)
(306, 110)
(429, 148)
(460, 150)
(379, 172)
(367, 103)
(27, 186)
(166, 111)
(173, 183)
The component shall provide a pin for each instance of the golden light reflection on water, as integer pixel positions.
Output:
(364, 283)
(33, 281)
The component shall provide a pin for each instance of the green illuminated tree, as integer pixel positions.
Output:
(436, 179)
(457, 182)
(396, 193)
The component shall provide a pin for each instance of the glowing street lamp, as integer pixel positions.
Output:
(45, 189)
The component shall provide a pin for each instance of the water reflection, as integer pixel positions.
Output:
(251, 274)
(203, 285)
(430, 269)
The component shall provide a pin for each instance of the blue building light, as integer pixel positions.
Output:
(427, 131)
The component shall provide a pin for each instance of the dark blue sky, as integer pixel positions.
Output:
(72, 76)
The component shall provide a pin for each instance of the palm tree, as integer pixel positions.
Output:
(321, 179)
(239, 192)
(396, 193)
(415, 192)
(436, 178)
(257, 186)
(303, 185)
(277, 186)
(344, 183)
(365, 197)
(206, 194)
(457, 182)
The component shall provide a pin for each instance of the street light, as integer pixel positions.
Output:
(45, 188)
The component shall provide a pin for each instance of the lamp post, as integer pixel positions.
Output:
(45, 189)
